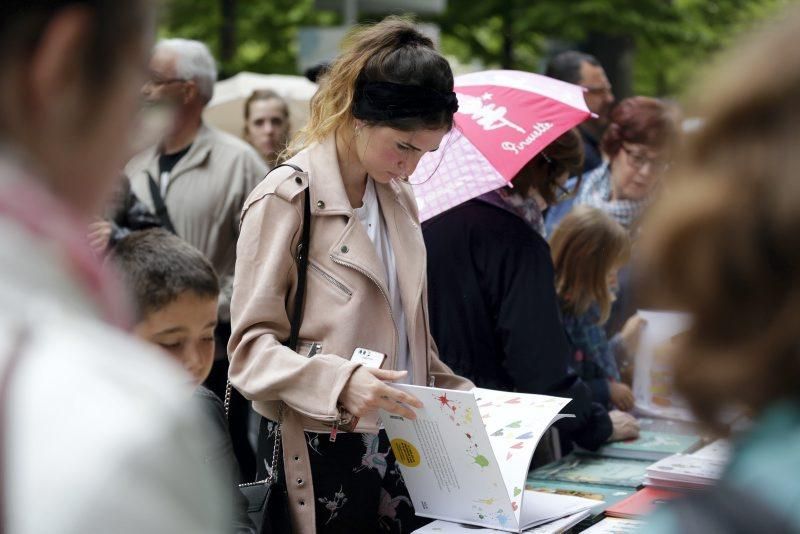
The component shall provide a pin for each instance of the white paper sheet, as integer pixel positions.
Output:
(652, 382)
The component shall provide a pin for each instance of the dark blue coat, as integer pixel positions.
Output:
(494, 312)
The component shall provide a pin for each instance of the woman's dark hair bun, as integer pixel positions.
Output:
(411, 36)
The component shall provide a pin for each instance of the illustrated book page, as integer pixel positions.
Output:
(454, 469)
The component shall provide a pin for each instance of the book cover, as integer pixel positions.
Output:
(687, 468)
(613, 525)
(641, 503)
(649, 445)
(466, 456)
(604, 495)
(719, 451)
(592, 470)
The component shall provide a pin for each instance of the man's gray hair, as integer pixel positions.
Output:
(193, 61)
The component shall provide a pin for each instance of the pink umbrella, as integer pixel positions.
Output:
(504, 119)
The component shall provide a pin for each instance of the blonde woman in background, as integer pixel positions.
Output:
(266, 124)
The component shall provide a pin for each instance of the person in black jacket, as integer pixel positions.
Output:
(493, 308)
(125, 213)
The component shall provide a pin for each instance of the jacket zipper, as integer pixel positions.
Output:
(336, 283)
(385, 298)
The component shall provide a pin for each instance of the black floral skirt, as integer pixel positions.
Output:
(357, 483)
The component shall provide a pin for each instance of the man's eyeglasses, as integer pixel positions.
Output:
(597, 89)
(158, 82)
(639, 160)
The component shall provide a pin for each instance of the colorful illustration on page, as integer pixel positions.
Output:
(474, 452)
(453, 409)
(488, 510)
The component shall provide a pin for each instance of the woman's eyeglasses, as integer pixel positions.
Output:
(639, 160)
(563, 192)
(567, 192)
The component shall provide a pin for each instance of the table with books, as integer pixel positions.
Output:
(631, 479)
(466, 458)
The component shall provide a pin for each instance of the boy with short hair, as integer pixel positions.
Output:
(175, 290)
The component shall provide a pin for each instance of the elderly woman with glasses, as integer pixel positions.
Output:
(638, 144)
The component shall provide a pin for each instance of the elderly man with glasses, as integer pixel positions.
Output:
(196, 180)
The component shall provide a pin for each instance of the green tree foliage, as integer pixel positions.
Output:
(669, 39)
(264, 31)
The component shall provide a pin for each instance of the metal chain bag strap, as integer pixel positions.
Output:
(267, 499)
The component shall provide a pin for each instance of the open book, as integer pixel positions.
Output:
(466, 456)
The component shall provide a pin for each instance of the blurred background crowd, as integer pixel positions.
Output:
(134, 145)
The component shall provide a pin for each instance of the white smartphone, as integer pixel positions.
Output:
(368, 358)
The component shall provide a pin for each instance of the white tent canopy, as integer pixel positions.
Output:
(226, 109)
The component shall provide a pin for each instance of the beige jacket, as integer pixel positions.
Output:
(204, 198)
(346, 304)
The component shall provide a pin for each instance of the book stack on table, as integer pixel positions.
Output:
(698, 470)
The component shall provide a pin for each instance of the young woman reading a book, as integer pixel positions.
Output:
(386, 101)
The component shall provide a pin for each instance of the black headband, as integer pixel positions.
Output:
(382, 101)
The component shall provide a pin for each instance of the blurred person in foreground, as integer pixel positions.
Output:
(196, 180)
(723, 245)
(583, 69)
(493, 306)
(266, 124)
(99, 434)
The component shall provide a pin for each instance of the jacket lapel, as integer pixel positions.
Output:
(352, 247)
(404, 235)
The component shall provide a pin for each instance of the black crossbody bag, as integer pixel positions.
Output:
(267, 499)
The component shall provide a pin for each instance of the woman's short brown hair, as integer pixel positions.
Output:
(640, 120)
(586, 246)
(724, 241)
